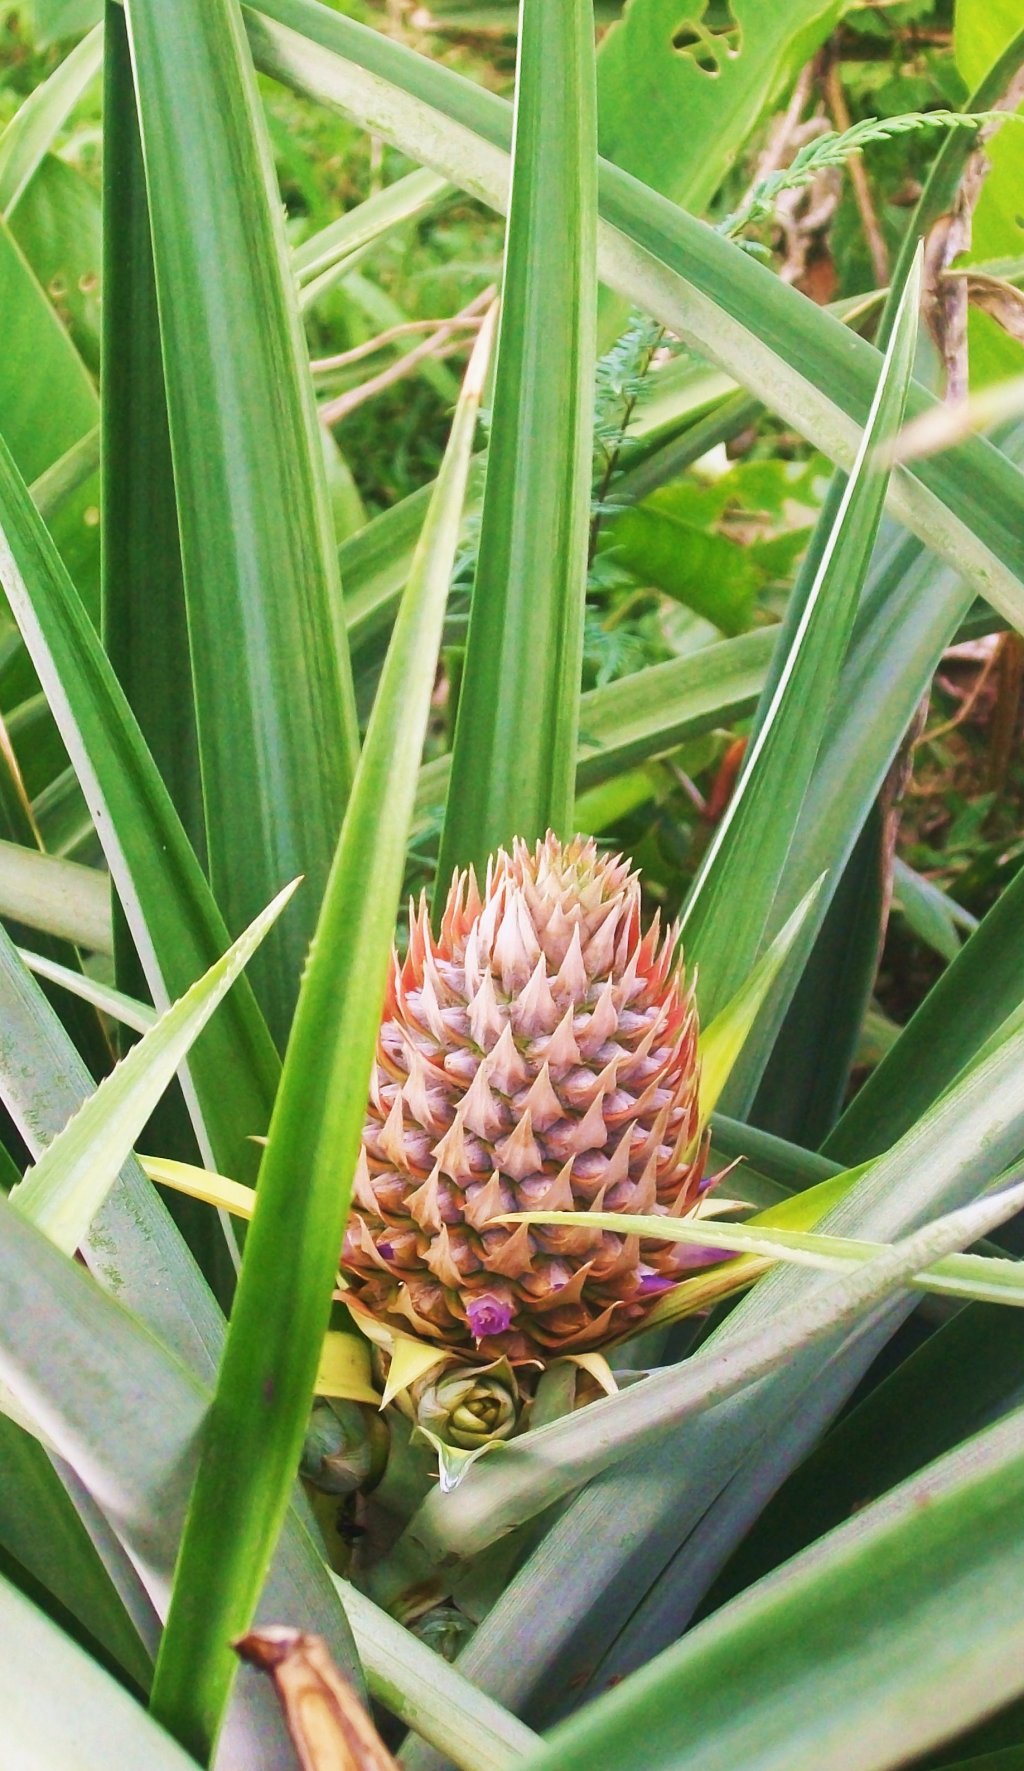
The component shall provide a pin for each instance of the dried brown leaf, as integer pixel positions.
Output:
(329, 1727)
(1004, 301)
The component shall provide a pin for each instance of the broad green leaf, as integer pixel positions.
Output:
(30, 133)
(731, 901)
(430, 1696)
(800, 360)
(176, 926)
(60, 1708)
(126, 1415)
(514, 751)
(47, 401)
(257, 543)
(69, 1182)
(533, 1472)
(66, 475)
(718, 68)
(890, 1635)
(58, 896)
(57, 226)
(55, 20)
(260, 1412)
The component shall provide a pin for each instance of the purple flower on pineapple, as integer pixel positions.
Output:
(488, 1314)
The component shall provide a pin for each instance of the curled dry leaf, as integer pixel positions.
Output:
(946, 298)
(329, 1727)
(1004, 301)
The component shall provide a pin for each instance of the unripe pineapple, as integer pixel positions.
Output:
(540, 1055)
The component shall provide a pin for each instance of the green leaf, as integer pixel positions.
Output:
(513, 757)
(718, 68)
(70, 1181)
(124, 1009)
(706, 572)
(62, 897)
(175, 924)
(731, 901)
(887, 1637)
(57, 226)
(57, 19)
(60, 1708)
(806, 1079)
(800, 360)
(930, 912)
(257, 542)
(281, 1308)
(31, 132)
(47, 401)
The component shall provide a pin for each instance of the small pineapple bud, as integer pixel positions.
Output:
(445, 1629)
(466, 1406)
(346, 1447)
(540, 1054)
